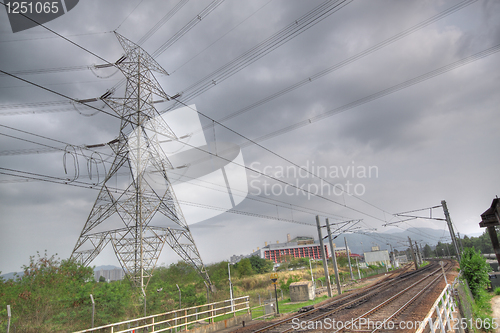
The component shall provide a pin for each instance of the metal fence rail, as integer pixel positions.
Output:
(440, 317)
(177, 319)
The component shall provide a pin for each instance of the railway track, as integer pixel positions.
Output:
(382, 303)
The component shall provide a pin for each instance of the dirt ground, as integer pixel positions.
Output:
(495, 306)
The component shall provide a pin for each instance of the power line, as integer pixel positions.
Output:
(387, 91)
(59, 94)
(62, 181)
(350, 60)
(196, 55)
(162, 21)
(185, 29)
(66, 144)
(379, 94)
(66, 39)
(53, 37)
(367, 99)
(126, 18)
(294, 29)
(278, 155)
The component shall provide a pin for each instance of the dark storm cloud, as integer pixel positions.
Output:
(428, 141)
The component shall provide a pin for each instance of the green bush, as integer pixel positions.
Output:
(475, 270)
(285, 286)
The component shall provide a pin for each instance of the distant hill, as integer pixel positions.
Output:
(9, 276)
(105, 267)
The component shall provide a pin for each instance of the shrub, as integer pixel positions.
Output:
(475, 270)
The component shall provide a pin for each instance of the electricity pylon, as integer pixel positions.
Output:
(128, 217)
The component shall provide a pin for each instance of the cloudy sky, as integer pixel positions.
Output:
(375, 111)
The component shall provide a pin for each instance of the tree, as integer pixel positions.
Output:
(260, 265)
(475, 270)
(427, 251)
(244, 267)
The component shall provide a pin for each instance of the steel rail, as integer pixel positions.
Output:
(366, 293)
(404, 306)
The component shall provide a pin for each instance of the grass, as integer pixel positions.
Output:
(286, 306)
(481, 311)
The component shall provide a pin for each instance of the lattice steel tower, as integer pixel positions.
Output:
(126, 210)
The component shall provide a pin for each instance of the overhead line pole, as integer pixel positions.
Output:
(348, 258)
(413, 253)
(334, 258)
(323, 255)
(450, 228)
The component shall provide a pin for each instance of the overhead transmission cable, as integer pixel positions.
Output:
(308, 20)
(315, 211)
(162, 21)
(379, 94)
(204, 13)
(208, 152)
(62, 181)
(126, 18)
(4, 72)
(403, 85)
(236, 26)
(320, 74)
(367, 99)
(351, 59)
(286, 34)
(185, 29)
(65, 38)
(387, 91)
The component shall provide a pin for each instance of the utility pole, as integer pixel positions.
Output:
(93, 309)
(334, 257)
(391, 256)
(357, 265)
(230, 286)
(323, 254)
(419, 255)
(413, 253)
(460, 243)
(348, 258)
(208, 293)
(450, 228)
(180, 297)
(8, 318)
(312, 276)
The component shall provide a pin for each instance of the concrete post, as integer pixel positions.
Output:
(334, 257)
(413, 253)
(323, 254)
(450, 228)
(348, 258)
